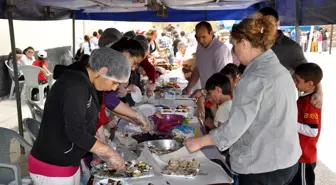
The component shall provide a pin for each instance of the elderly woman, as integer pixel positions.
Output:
(261, 131)
(69, 121)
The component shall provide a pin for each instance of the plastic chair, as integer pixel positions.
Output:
(32, 126)
(31, 77)
(35, 110)
(10, 173)
(11, 74)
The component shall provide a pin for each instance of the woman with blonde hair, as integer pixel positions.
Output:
(261, 131)
(153, 46)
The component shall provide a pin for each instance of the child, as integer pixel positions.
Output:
(232, 72)
(42, 79)
(218, 87)
(309, 121)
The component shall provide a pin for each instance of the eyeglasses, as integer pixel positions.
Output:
(236, 30)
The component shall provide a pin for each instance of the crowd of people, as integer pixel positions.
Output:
(319, 39)
(250, 107)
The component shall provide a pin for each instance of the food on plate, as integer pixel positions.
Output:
(183, 107)
(113, 182)
(182, 168)
(171, 85)
(167, 110)
(162, 106)
(133, 169)
(181, 110)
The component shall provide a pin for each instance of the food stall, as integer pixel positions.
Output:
(159, 157)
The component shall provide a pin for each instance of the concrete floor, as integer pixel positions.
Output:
(326, 167)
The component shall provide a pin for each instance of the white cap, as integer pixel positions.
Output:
(42, 54)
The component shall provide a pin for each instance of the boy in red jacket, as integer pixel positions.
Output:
(307, 76)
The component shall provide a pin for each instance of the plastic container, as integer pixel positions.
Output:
(167, 122)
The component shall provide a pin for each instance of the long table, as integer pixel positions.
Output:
(209, 152)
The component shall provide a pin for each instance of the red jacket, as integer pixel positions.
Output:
(310, 116)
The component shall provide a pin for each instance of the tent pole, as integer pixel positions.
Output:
(297, 21)
(331, 38)
(16, 77)
(73, 35)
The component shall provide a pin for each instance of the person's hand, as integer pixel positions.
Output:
(116, 162)
(122, 91)
(131, 88)
(200, 110)
(113, 159)
(186, 91)
(149, 93)
(150, 86)
(197, 94)
(317, 100)
(141, 119)
(193, 144)
(213, 107)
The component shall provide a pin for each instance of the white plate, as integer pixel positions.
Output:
(147, 109)
(136, 96)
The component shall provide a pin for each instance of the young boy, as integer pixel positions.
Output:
(307, 76)
(219, 89)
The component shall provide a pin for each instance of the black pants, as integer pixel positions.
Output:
(305, 175)
(278, 177)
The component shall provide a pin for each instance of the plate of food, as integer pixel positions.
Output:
(171, 85)
(111, 182)
(134, 170)
(182, 110)
(181, 168)
(167, 111)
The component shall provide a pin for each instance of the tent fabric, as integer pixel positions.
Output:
(173, 15)
(25, 10)
(312, 12)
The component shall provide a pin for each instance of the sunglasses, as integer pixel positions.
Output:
(236, 30)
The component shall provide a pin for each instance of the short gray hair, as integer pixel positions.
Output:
(119, 68)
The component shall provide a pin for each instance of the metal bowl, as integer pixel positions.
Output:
(160, 147)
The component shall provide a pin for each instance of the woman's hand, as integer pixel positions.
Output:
(116, 162)
(193, 144)
(113, 159)
(131, 88)
(196, 143)
(141, 119)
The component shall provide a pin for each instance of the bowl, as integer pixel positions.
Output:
(160, 147)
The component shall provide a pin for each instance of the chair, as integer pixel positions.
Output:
(36, 111)
(11, 74)
(32, 127)
(31, 77)
(10, 172)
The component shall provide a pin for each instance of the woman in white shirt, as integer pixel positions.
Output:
(261, 131)
(28, 56)
(86, 46)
